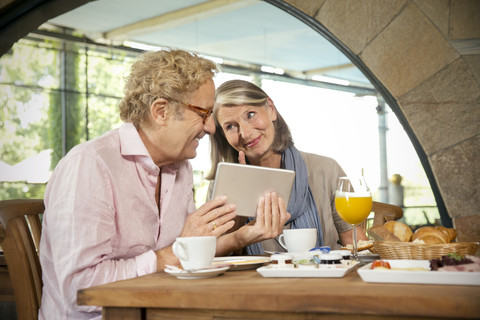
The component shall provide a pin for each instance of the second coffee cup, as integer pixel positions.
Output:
(298, 240)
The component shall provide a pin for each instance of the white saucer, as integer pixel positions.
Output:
(201, 274)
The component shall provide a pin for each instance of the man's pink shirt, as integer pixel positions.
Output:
(101, 222)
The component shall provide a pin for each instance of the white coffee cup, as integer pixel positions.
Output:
(195, 252)
(298, 240)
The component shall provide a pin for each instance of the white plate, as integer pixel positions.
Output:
(200, 274)
(323, 271)
(418, 277)
(242, 262)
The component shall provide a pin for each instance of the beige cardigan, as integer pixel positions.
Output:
(322, 177)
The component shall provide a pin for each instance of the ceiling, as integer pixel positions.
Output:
(241, 32)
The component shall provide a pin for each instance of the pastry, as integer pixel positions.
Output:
(430, 235)
(380, 233)
(450, 233)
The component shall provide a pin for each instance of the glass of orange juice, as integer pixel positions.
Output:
(353, 201)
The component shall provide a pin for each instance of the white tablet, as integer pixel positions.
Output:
(244, 185)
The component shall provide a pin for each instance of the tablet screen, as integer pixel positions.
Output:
(244, 185)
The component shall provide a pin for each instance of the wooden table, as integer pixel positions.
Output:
(248, 295)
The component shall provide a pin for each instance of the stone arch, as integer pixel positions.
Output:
(426, 57)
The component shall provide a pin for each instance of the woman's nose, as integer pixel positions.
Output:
(244, 131)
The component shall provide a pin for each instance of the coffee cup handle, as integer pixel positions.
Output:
(281, 241)
(180, 251)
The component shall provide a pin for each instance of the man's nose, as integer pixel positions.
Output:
(209, 126)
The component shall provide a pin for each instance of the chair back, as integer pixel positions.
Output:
(385, 212)
(20, 240)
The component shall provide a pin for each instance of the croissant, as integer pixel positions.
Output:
(430, 235)
(450, 233)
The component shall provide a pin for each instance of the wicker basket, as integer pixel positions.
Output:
(409, 250)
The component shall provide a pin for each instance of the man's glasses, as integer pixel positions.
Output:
(202, 112)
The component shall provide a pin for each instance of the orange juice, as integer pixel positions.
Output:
(353, 209)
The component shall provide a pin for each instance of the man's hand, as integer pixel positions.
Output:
(214, 218)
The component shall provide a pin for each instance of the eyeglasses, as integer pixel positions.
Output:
(202, 112)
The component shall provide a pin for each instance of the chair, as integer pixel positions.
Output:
(385, 212)
(20, 239)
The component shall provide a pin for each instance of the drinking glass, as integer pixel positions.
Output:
(353, 201)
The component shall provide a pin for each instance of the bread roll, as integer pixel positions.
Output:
(400, 230)
(430, 235)
(450, 233)
(380, 233)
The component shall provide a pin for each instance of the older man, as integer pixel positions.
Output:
(115, 204)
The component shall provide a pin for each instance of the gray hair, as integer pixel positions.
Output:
(235, 93)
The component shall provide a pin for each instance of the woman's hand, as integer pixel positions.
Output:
(214, 218)
(271, 217)
(241, 157)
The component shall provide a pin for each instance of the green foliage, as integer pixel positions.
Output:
(55, 135)
(21, 190)
(22, 128)
(74, 117)
(31, 93)
(103, 115)
(106, 74)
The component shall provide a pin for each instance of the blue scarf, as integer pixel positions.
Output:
(301, 205)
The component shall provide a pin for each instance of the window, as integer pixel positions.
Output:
(57, 93)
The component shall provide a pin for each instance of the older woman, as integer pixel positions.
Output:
(114, 205)
(249, 129)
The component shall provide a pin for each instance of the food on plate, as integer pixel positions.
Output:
(380, 264)
(430, 235)
(361, 245)
(456, 262)
(385, 265)
(248, 261)
(281, 258)
(380, 233)
(400, 230)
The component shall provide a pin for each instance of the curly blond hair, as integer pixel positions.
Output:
(169, 74)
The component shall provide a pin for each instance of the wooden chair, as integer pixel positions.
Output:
(385, 212)
(20, 240)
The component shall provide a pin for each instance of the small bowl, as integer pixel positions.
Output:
(330, 258)
(346, 254)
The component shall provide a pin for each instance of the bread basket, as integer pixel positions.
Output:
(416, 251)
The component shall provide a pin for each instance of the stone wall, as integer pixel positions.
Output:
(427, 55)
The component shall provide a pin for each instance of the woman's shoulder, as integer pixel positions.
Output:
(318, 160)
